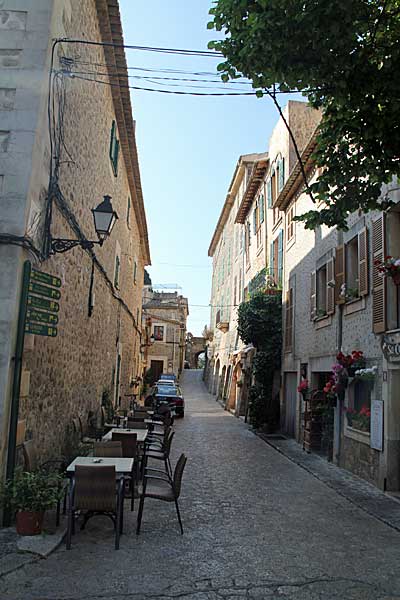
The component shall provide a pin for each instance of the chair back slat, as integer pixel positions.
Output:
(178, 473)
(169, 442)
(111, 449)
(95, 488)
(128, 442)
(136, 424)
(30, 456)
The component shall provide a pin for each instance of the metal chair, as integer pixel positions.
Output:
(136, 424)
(159, 451)
(162, 487)
(129, 447)
(93, 490)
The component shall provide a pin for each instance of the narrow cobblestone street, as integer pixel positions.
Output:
(256, 526)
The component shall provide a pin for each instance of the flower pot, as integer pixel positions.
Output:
(29, 523)
(396, 278)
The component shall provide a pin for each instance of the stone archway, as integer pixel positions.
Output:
(226, 384)
(216, 377)
(221, 383)
(235, 390)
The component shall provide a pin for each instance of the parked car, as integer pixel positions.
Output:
(169, 376)
(171, 395)
(166, 382)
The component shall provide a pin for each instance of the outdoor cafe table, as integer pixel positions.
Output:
(123, 466)
(140, 433)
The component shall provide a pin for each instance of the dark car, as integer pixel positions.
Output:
(169, 376)
(168, 394)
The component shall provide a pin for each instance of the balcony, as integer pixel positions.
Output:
(220, 323)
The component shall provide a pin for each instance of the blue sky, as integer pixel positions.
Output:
(188, 146)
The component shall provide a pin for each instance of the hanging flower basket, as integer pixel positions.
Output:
(389, 267)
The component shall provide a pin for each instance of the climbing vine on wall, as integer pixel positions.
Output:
(260, 324)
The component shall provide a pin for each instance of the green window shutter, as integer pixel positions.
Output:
(116, 272)
(271, 261)
(280, 256)
(269, 192)
(281, 181)
(248, 233)
(134, 271)
(255, 221)
(261, 207)
(128, 211)
(114, 148)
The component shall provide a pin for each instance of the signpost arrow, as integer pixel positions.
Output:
(41, 277)
(43, 290)
(43, 304)
(41, 317)
(41, 329)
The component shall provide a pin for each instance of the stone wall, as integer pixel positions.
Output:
(66, 376)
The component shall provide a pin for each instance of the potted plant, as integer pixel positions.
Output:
(389, 267)
(367, 375)
(303, 388)
(29, 495)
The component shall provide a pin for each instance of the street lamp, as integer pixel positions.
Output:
(149, 343)
(104, 217)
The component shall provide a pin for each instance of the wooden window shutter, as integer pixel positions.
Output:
(378, 281)
(271, 261)
(269, 192)
(313, 296)
(289, 320)
(363, 262)
(261, 207)
(330, 286)
(281, 181)
(340, 275)
(280, 257)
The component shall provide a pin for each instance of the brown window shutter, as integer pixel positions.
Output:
(330, 286)
(340, 273)
(378, 282)
(363, 262)
(313, 296)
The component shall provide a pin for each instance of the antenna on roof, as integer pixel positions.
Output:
(166, 286)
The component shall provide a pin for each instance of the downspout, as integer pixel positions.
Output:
(340, 397)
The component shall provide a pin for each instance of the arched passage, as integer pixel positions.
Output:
(226, 385)
(221, 384)
(216, 377)
(234, 392)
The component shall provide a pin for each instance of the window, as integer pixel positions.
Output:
(234, 290)
(352, 282)
(135, 272)
(128, 212)
(273, 186)
(359, 406)
(158, 333)
(117, 271)
(355, 275)
(321, 292)
(114, 148)
(289, 309)
(392, 249)
(261, 208)
(290, 224)
(276, 259)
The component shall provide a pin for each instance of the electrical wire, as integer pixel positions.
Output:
(177, 92)
(180, 51)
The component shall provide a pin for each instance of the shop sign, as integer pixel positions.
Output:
(41, 308)
(40, 329)
(391, 347)
(376, 439)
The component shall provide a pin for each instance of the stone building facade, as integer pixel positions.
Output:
(166, 313)
(96, 351)
(337, 301)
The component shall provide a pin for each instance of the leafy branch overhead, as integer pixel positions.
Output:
(344, 57)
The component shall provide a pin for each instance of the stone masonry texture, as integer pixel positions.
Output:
(257, 526)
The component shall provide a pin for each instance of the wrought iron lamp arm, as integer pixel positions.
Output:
(63, 245)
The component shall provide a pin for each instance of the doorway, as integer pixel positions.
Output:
(156, 368)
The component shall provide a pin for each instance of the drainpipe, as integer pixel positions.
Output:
(338, 422)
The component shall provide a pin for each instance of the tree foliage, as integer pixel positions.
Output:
(344, 57)
(260, 324)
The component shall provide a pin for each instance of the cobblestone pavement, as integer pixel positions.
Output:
(257, 525)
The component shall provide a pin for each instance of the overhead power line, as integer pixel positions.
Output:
(181, 51)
